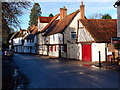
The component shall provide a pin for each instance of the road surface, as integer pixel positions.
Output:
(54, 73)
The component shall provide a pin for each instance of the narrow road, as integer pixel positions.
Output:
(53, 73)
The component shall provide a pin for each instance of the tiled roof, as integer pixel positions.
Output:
(35, 30)
(10, 35)
(51, 27)
(30, 36)
(45, 19)
(33, 33)
(20, 34)
(14, 35)
(49, 24)
(101, 29)
(62, 25)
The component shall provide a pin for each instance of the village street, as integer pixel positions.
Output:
(53, 73)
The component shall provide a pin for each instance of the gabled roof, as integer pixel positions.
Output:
(49, 24)
(60, 26)
(44, 19)
(10, 35)
(53, 25)
(30, 36)
(19, 35)
(14, 35)
(33, 33)
(35, 30)
(101, 29)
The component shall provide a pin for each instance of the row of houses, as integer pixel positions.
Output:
(70, 36)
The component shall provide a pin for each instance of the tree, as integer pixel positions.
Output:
(10, 13)
(35, 12)
(51, 15)
(106, 16)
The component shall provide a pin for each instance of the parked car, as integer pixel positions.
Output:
(9, 52)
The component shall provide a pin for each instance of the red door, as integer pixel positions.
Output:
(86, 52)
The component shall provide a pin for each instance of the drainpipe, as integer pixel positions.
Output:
(63, 37)
(106, 52)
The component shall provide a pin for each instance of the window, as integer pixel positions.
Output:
(64, 48)
(54, 48)
(51, 48)
(73, 35)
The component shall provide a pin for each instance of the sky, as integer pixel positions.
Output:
(92, 7)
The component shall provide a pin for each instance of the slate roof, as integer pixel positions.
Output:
(44, 19)
(59, 26)
(101, 29)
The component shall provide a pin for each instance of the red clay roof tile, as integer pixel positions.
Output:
(61, 25)
(45, 19)
(48, 25)
(101, 29)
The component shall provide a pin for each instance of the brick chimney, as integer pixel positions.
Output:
(82, 11)
(63, 12)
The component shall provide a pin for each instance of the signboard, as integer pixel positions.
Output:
(115, 40)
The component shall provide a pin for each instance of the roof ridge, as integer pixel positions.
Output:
(49, 24)
(68, 20)
(97, 19)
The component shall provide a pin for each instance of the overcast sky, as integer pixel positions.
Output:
(51, 6)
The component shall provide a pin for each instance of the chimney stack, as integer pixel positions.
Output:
(82, 10)
(63, 13)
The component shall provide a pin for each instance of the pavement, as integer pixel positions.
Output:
(105, 65)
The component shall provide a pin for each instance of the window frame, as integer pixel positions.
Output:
(71, 35)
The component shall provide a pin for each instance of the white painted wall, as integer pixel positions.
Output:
(54, 53)
(83, 34)
(17, 41)
(44, 50)
(74, 51)
(96, 47)
(41, 26)
(71, 28)
(56, 39)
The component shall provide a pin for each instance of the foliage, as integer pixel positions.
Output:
(35, 12)
(10, 13)
(106, 16)
(51, 15)
(117, 46)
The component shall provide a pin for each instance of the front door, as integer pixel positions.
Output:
(86, 52)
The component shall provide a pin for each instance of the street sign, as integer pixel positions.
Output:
(115, 40)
